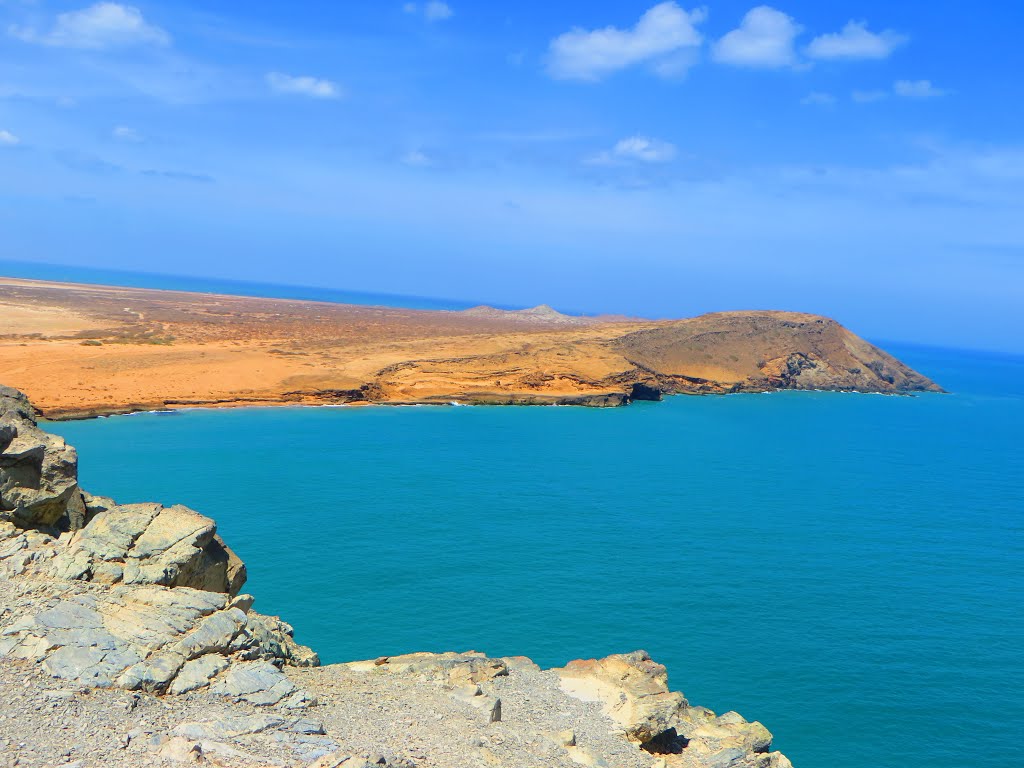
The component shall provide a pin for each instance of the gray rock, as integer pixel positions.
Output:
(228, 727)
(89, 665)
(262, 684)
(150, 544)
(148, 638)
(198, 673)
(8, 431)
(154, 674)
(213, 635)
(38, 471)
(306, 727)
(269, 637)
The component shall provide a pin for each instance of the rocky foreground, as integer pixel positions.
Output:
(125, 640)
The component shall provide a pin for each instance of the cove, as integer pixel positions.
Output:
(844, 568)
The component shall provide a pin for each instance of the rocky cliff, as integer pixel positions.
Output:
(124, 640)
(757, 351)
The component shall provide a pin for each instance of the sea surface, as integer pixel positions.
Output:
(845, 568)
(129, 279)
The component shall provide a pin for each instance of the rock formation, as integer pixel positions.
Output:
(38, 471)
(171, 622)
(110, 598)
(633, 691)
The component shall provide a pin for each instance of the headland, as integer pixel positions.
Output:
(86, 350)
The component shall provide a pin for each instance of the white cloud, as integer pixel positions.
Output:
(855, 41)
(867, 97)
(660, 35)
(436, 11)
(432, 11)
(635, 149)
(763, 39)
(126, 134)
(416, 159)
(8, 139)
(818, 98)
(907, 89)
(313, 87)
(103, 25)
(917, 89)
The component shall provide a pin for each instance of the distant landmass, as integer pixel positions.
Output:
(84, 350)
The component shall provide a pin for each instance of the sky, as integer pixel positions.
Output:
(863, 160)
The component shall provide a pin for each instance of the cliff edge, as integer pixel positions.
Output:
(125, 641)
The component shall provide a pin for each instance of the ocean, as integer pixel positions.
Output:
(129, 279)
(845, 568)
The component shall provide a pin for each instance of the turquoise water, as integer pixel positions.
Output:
(845, 568)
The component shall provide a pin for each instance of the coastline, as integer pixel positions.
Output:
(147, 600)
(83, 351)
(134, 409)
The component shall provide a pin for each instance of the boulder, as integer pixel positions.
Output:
(151, 544)
(261, 683)
(38, 471)
(198, 673)
(632, 689)
(274, 639)
(723, 732)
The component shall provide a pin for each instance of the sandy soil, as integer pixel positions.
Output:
(86, 348)
(80, 350)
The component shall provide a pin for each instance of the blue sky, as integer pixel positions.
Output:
(859, 159)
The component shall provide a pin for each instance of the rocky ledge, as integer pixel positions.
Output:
(125, 641)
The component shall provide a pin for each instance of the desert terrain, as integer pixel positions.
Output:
(86, 350)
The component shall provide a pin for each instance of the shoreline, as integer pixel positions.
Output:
(86, 351)
(154, 619)
(88, 414)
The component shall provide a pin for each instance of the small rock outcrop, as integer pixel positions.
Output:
(38, 471)
(633, 690)
(151, 544)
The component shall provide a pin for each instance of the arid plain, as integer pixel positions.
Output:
(82, 350)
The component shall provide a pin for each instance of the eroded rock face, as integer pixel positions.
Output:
(151, 544)
(633, 690)
(38, 471)
(753, 351)
(130, 544)
(160, 614)
(149, 638)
